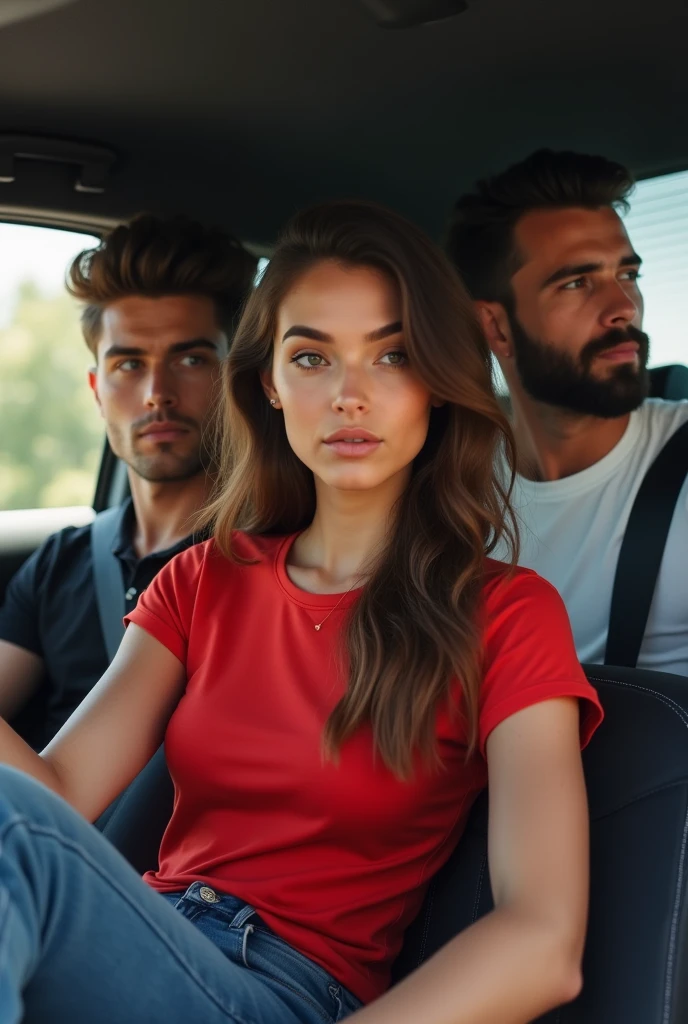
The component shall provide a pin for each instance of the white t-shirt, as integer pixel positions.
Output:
(571, 533)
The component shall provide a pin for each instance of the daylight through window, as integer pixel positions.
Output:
(50, 430)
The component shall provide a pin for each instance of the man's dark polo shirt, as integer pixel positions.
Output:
(50, 609)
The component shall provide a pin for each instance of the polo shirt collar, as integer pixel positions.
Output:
(123, 547)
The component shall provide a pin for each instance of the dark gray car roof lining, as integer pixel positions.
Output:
(241, 111)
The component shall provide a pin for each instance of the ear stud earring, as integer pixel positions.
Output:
(273, 401)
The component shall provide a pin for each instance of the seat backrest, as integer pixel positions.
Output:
(636, 957)
(134, 823)
(669, 382)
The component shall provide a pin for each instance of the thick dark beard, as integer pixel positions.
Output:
(558, 379)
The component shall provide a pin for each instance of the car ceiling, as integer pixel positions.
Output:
(240, 111)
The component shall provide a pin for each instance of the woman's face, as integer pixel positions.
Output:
(354, 412)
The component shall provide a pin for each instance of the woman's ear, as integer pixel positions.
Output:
(269, 389)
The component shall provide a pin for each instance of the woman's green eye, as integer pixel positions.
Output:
(308, 360)
(396, 358)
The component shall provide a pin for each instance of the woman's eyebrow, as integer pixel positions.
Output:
(300, 331)
(385, 332)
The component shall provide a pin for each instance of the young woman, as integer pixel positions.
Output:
(336, 674)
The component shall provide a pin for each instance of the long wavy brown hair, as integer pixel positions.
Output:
(416, 626)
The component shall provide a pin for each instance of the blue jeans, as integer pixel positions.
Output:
(83, 939)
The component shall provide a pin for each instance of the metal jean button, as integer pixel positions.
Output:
(208, 894)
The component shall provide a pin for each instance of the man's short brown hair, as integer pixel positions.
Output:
(480, 239)
(156, 256)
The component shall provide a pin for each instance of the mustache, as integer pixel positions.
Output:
(168, 417)
(612, 338)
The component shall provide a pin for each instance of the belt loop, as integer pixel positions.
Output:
(242, 916)
(247, 931)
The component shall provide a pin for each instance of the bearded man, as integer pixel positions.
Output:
(546, 256)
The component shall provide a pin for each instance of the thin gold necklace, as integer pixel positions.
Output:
(318, 625)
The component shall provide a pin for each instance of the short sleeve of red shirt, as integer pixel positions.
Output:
(529, 653)
(166, 607)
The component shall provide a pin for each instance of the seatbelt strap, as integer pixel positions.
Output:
(107, 577)
(642, 550)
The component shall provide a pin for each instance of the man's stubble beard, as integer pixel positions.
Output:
(157, 470)
(158, 467)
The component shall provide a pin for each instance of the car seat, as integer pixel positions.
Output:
(636, 957)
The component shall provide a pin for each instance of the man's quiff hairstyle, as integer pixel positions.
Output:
(480, 240)
(156, 256)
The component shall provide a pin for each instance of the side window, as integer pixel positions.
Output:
(260, 270)
(658, 228)
(51, 434)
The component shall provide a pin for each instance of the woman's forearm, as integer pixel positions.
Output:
(504, 969)
(18, 754)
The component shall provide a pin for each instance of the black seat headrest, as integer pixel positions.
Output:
(670, 382)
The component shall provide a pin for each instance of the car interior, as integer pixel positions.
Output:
(238, 114)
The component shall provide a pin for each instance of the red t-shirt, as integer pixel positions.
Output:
(335, 858)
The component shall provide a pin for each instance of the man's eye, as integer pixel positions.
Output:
(632, 275)
(573, 286)
(193, 360)
(129, 364)
(309, 360)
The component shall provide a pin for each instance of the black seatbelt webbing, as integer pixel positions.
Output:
(642, 550)
(107, 576)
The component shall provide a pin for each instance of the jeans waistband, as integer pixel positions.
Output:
(236, 911)
(245, 938)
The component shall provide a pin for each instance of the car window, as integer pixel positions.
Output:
(658, 227)
(260, 269)
(51, 435)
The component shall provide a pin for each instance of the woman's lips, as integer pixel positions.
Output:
(353, 449)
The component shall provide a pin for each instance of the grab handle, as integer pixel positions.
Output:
(93, 161)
